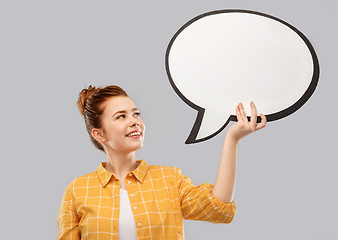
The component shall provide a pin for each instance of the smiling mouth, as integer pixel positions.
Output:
(134, 135)
(138, 136)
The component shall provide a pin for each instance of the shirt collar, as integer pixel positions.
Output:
(140, 172)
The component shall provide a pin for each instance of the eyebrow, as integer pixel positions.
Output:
(124, 111)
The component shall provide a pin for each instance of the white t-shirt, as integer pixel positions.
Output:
(127, 227)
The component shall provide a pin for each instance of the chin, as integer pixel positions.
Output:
(136, 148)
(141, 146)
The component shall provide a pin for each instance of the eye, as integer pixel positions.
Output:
(137, 113)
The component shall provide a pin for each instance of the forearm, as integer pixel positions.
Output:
(224, 188)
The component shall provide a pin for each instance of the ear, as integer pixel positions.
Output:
(98, 135)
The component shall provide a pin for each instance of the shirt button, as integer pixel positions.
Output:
(129, 182)
(135, 207)
(139, 224)
(215, 207)
(130, 174)
(132, 195)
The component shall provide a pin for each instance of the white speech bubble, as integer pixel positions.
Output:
(221, 58)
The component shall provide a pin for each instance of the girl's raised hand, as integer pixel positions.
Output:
(243, 127)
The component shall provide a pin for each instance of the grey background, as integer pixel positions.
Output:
(51, 50)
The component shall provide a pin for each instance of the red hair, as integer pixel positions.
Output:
(91, 106)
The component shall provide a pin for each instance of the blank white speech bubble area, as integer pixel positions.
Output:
(223, 59)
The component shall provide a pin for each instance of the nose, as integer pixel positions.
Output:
(135, 122)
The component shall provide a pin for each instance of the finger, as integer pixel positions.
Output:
(262, 123)
(238, 114)
(241, 108)
(253, 119)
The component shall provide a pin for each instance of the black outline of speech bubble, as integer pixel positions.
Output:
(271, 117)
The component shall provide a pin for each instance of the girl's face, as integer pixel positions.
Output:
(121, 117)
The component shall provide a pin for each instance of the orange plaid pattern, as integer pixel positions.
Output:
(160, 197)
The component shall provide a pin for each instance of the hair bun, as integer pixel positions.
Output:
(83, 97)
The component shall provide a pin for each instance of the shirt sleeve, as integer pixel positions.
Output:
(198, 203)
(68, 220)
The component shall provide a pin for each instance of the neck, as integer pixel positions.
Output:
(120, 163)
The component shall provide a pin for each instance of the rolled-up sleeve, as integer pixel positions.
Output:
(198, 203)
(68, 220)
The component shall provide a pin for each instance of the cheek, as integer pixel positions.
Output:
(114, 132)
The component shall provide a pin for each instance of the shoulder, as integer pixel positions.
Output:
(81, 181)
(162, 167)
(161, 176)
(164, 171)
